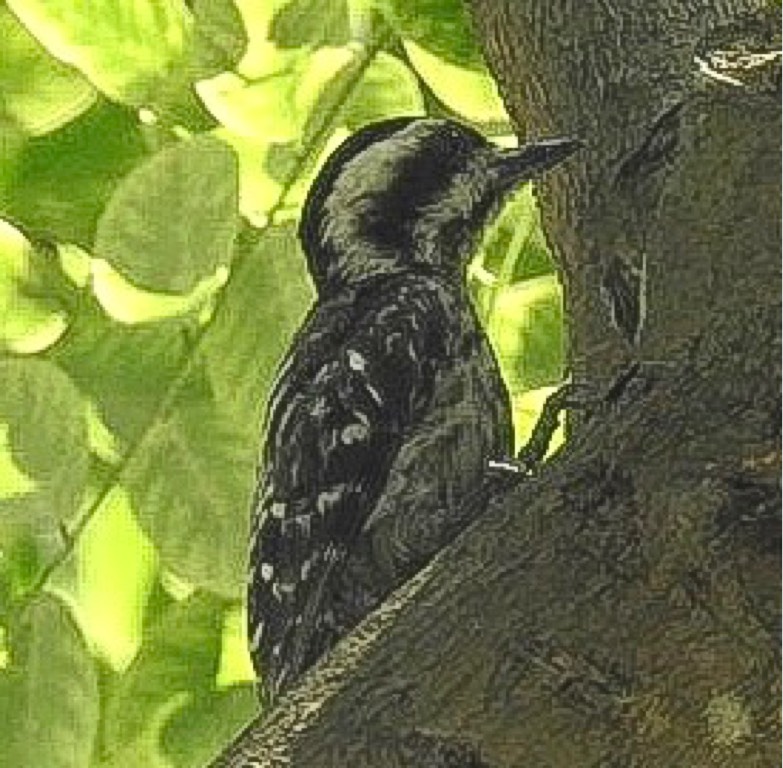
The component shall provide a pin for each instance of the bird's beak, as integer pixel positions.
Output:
(521, 164)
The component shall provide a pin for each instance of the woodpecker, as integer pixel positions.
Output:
(389, 404)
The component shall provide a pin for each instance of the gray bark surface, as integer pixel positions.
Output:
(623, 608)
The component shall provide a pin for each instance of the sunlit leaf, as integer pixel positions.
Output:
(260, 49)
(277, 123)
(116, 565)
(514, 247)
(278, 27)
(325, 82)
(293, 162)
(51, 689)
(30, 320)
(235, 663)
(264, 107)
(172, 221)
(267, 169)
(126, 303)
(124, 47)
(39, 93)
(289, 98)
(469, 92)
(526, 330)
(75, 263)
(259, 190)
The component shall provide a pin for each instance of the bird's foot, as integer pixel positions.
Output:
(568, 397)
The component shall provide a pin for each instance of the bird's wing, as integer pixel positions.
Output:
(331, 439)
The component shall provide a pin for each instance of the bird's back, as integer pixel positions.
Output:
(385, 415)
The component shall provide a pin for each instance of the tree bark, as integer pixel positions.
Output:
(621, 609)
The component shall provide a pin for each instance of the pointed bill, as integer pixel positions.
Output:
(515, 166)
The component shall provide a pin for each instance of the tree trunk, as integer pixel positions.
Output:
(622, 609)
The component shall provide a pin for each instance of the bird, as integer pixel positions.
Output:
(390, 402)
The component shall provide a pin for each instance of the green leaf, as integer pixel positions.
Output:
(30, 318)
(172, 221)
(387, 89)
(198, 731)
(514, 247)
(276, 121)
(264, 305)
(75, 263)
(191, 486)
(13, 139)
(219, 37)
(124, 47)
(329, 76)
(145, 748)
(179, 655)
(43, 449)
(441, 26)
(60, 182)
(21, 562)
(39, 93)
(312, 23)
(51, 689)
(123, 370)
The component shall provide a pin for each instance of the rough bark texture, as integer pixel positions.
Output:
(623, 608)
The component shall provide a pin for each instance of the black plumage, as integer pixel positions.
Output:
(390, 403)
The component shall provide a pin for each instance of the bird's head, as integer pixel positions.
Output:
(411, 193)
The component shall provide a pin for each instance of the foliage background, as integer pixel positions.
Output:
(155, 155)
